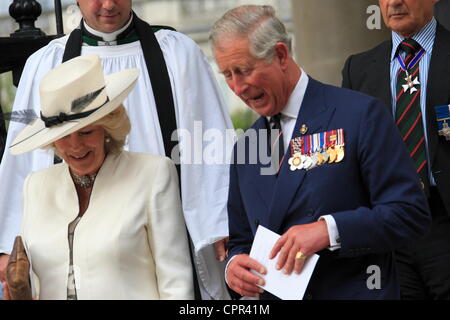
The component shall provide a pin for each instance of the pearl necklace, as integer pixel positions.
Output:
(85, 181)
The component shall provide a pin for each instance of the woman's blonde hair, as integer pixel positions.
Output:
(117, 127)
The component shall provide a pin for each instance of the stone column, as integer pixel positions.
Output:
(328, 31)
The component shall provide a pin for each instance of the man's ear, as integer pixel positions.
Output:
(282, 54)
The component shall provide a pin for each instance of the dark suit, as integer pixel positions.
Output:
(369, 72)
(442, 12)
(373, 196)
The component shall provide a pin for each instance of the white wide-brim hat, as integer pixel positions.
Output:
(74, 95)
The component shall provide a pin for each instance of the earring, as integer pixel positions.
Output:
(107, 140)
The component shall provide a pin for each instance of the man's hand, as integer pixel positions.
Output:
(306, 239)
(221, 249)
(3, 263)
(241, 279)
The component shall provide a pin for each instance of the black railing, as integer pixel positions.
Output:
(22, 43)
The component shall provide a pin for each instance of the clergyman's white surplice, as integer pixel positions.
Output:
(196, 98)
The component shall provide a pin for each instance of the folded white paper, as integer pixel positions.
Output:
(286, 287)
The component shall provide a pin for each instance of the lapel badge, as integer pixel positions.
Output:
(303, 129)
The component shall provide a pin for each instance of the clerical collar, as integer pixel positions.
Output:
(93, 37)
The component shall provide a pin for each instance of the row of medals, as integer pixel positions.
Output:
(333, 154)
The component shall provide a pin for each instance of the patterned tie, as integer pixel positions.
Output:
(408, 114)
(277, 144)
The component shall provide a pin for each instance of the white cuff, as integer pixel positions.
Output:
(333, 232)
(226, 268)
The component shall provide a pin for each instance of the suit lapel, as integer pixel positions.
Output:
(262, 184)
(379, 75)
(316, 115)
(438, 84)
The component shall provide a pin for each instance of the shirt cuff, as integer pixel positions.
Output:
(226, 269)
(333, 232)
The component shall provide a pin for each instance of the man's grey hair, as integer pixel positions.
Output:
(258, 23)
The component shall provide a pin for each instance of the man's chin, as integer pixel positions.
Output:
(109, 25)
(261, 107)
(401, 26)
(263, 111)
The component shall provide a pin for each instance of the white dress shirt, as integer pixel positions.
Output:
(288, 119)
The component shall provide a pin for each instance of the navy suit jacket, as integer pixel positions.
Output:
(369, 72)
(373, 194)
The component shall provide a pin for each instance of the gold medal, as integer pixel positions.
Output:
(325, 156)
(320, 159)
(296, 162)
(340, 153)
(333, 155)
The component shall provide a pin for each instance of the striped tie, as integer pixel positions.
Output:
(408, 114)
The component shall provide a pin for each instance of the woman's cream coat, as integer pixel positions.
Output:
(131, 242)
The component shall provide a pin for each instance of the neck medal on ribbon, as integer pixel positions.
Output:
(443, 115)
(410, 83)
(309, 152)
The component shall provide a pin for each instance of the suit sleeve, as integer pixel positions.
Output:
(346, 83)
(167, 235)
(241, 236)
(399, 211)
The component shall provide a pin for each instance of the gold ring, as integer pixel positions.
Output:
(300, 255)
